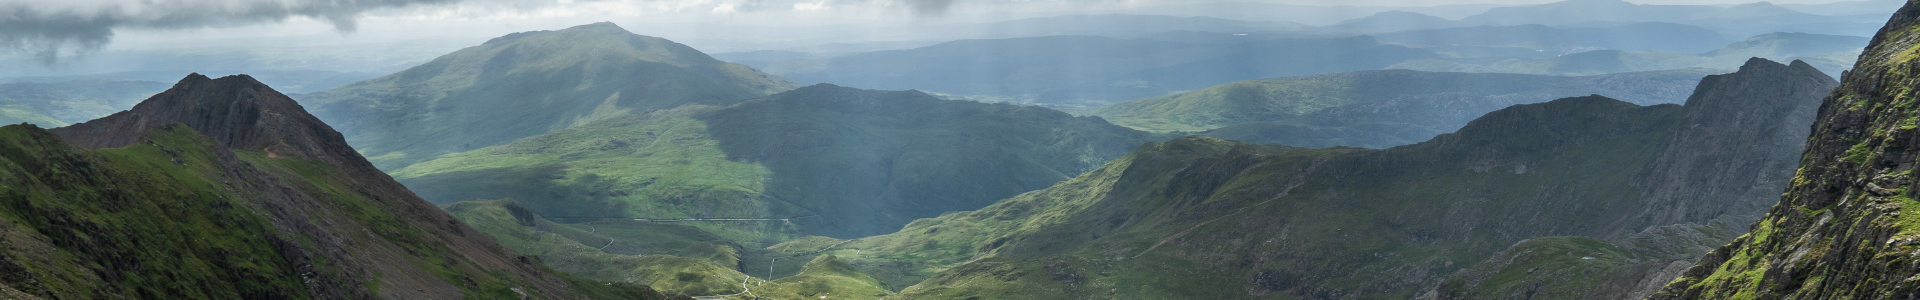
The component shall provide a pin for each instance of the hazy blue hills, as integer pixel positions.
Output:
(525, 84)
(1089, 70)
(1545, 41)
(1830, 53)
(1394, 21)
(293, 81)
(54, 104)
(1737, 20)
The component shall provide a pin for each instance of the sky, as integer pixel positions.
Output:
(49, 31)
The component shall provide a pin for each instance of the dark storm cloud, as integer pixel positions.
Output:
(47, 29)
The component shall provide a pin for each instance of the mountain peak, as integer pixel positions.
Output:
(1756, 78)
(237, 111)
(602, 25)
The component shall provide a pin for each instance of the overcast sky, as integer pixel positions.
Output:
(49, 29)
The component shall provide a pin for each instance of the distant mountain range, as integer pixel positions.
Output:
(1086, 71)
(54, 104)
(1829, 53)
(1738, 20)
(1533, 40)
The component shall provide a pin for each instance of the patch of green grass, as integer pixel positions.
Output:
(557, 247)
(660, 165)
(826, 277)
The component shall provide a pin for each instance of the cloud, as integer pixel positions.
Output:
(49, 29)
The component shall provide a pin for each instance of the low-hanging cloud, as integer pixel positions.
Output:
(49, 29)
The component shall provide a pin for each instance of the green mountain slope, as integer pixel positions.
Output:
(824, 277)
(56, 104)
(1375, 108)
(224, 188)
(1845, 227)
(560, 246)
(1201, 217)
(842, 162)
(525, 84)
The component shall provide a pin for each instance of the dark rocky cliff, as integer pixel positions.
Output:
(1847, 227)
(1730, 153)
(1741, 141)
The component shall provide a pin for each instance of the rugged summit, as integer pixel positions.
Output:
(237, 111)
(1697, 177)
(225, 188)
(1846, 228)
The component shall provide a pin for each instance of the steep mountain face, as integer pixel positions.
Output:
(846, 162)
(1087, 71)
(1206, 218)
(54, 104)
(1845, 227)
(525, 84)
(1697, 183)
(1376, 109)
(224, 188)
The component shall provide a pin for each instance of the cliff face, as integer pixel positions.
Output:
(1743, 135)
(1847, 227)
(1731, 153)
(224, 188)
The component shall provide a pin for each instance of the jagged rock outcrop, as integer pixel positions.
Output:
(1741, 141)
(250, 197)
(1846, 227)
(1730, 153)
(237, 111)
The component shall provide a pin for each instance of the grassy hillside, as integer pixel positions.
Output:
(525, 84)
(1375, 108)
(893, 157)
(560, 247)
(168, 220)
(225, 188)
(824, 277)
